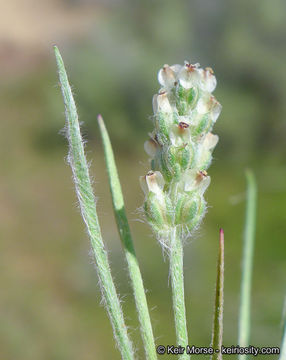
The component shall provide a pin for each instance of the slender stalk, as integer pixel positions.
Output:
(283, 346)
(218, 310)
(247, 265)
(126, 238)
(177, 281)
(283, 342)
(86, 199)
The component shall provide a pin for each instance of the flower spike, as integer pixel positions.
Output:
(181, 145)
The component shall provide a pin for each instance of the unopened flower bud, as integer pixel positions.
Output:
(185, 156)
(162, 128)
(157, 204)
(186, 99)
(171, 162)
(190, 209)
(154, 211)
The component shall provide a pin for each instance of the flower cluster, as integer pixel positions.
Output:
(180, 148)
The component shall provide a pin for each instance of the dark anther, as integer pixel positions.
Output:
(203, 173)
(183, 125)
(210, 70)
(191, 67)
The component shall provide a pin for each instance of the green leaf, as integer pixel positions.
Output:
(125, 235)
(283, 343)
(247, 264)
(86, 200)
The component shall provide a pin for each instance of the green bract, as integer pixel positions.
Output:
(180, 148)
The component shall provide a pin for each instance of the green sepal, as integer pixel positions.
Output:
(172, 163)
(177, 172)
(161, 123)
(176, 119)
(202, 208)
(192, 95)
(169, 210)
(185, 156)
(190, 210)
(198, 218)
(202, 126)
(186, 99)
(153, 210)
(164, 168)
(178, 209)
(181, 102)
(171, 157)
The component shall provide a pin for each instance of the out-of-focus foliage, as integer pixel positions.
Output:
(49, 288)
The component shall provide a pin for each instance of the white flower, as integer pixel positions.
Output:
(215, 110)
(210, 141)
(196, 180)
(167, 75)
(203, 105)
(151, 146)
(154, 182)
(161, 103)
(204, 150)
(189, 75)
(208, 80)
(180, 134)
(208, 103)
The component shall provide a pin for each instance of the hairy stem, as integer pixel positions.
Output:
(218, 310)
(177, 281)
(247, 265)
(86, 199)
(125, 235)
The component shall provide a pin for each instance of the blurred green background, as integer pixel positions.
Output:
(49, 299)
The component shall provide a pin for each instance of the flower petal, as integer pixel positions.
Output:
(161, 103)
(208, 80)
(196, 180)
(210, 141)
(189, 75)
(154, 182)
(150, 146)
(180, 134)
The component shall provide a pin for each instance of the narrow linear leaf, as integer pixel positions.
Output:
(247, 262)
(126, 238)
(283, 342)
(218, 310)
(86, 199)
